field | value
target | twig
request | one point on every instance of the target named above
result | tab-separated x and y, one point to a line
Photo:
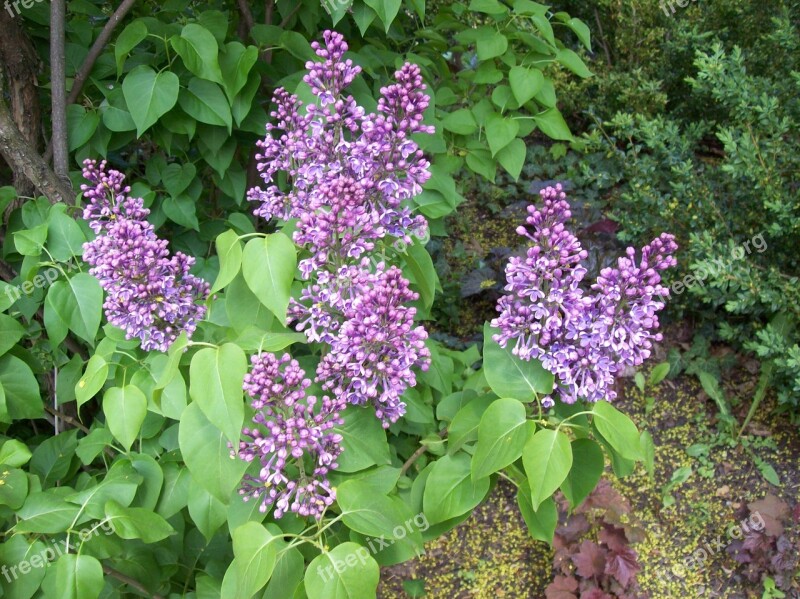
269	7
247	15
602	36
58	83
108	570
67	418
417	454
94	53
97	48
288	17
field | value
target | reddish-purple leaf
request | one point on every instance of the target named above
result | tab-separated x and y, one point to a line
623	566
613	537
577	526
590	561
562	587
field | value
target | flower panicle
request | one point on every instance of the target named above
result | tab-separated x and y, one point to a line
583	338
150	294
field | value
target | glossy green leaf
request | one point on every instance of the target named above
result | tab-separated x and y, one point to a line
509	376
206	102
215	384
236	63
78	577
502	434
13	487
206	511
386	10
461	122
254	550
648	452
588	464
363	440
10	332
78	303
490	43
368	512
14	453
450	490
81	125
20	388
199	51
512	157
125	409
46	513
268	265
500	131
229	251
553	124
659	373
421	266
137	523
205	450
348	571
464	426
29	242
547	458
573	62
525	83
541	522
126	41
619	430
149	95
93	379
65	238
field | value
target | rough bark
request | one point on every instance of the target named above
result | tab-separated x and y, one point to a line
24	159
21	64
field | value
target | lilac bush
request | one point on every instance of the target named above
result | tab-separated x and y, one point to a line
149	294
583	338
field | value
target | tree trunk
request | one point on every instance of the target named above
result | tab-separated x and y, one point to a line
25	160
18	59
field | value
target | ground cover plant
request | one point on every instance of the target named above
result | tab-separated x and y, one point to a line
233	362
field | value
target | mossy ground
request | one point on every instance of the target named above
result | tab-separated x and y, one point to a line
491	554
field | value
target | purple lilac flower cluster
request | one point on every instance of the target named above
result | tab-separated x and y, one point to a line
350	177
299	448
583	338
149	294
376	344
350	172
